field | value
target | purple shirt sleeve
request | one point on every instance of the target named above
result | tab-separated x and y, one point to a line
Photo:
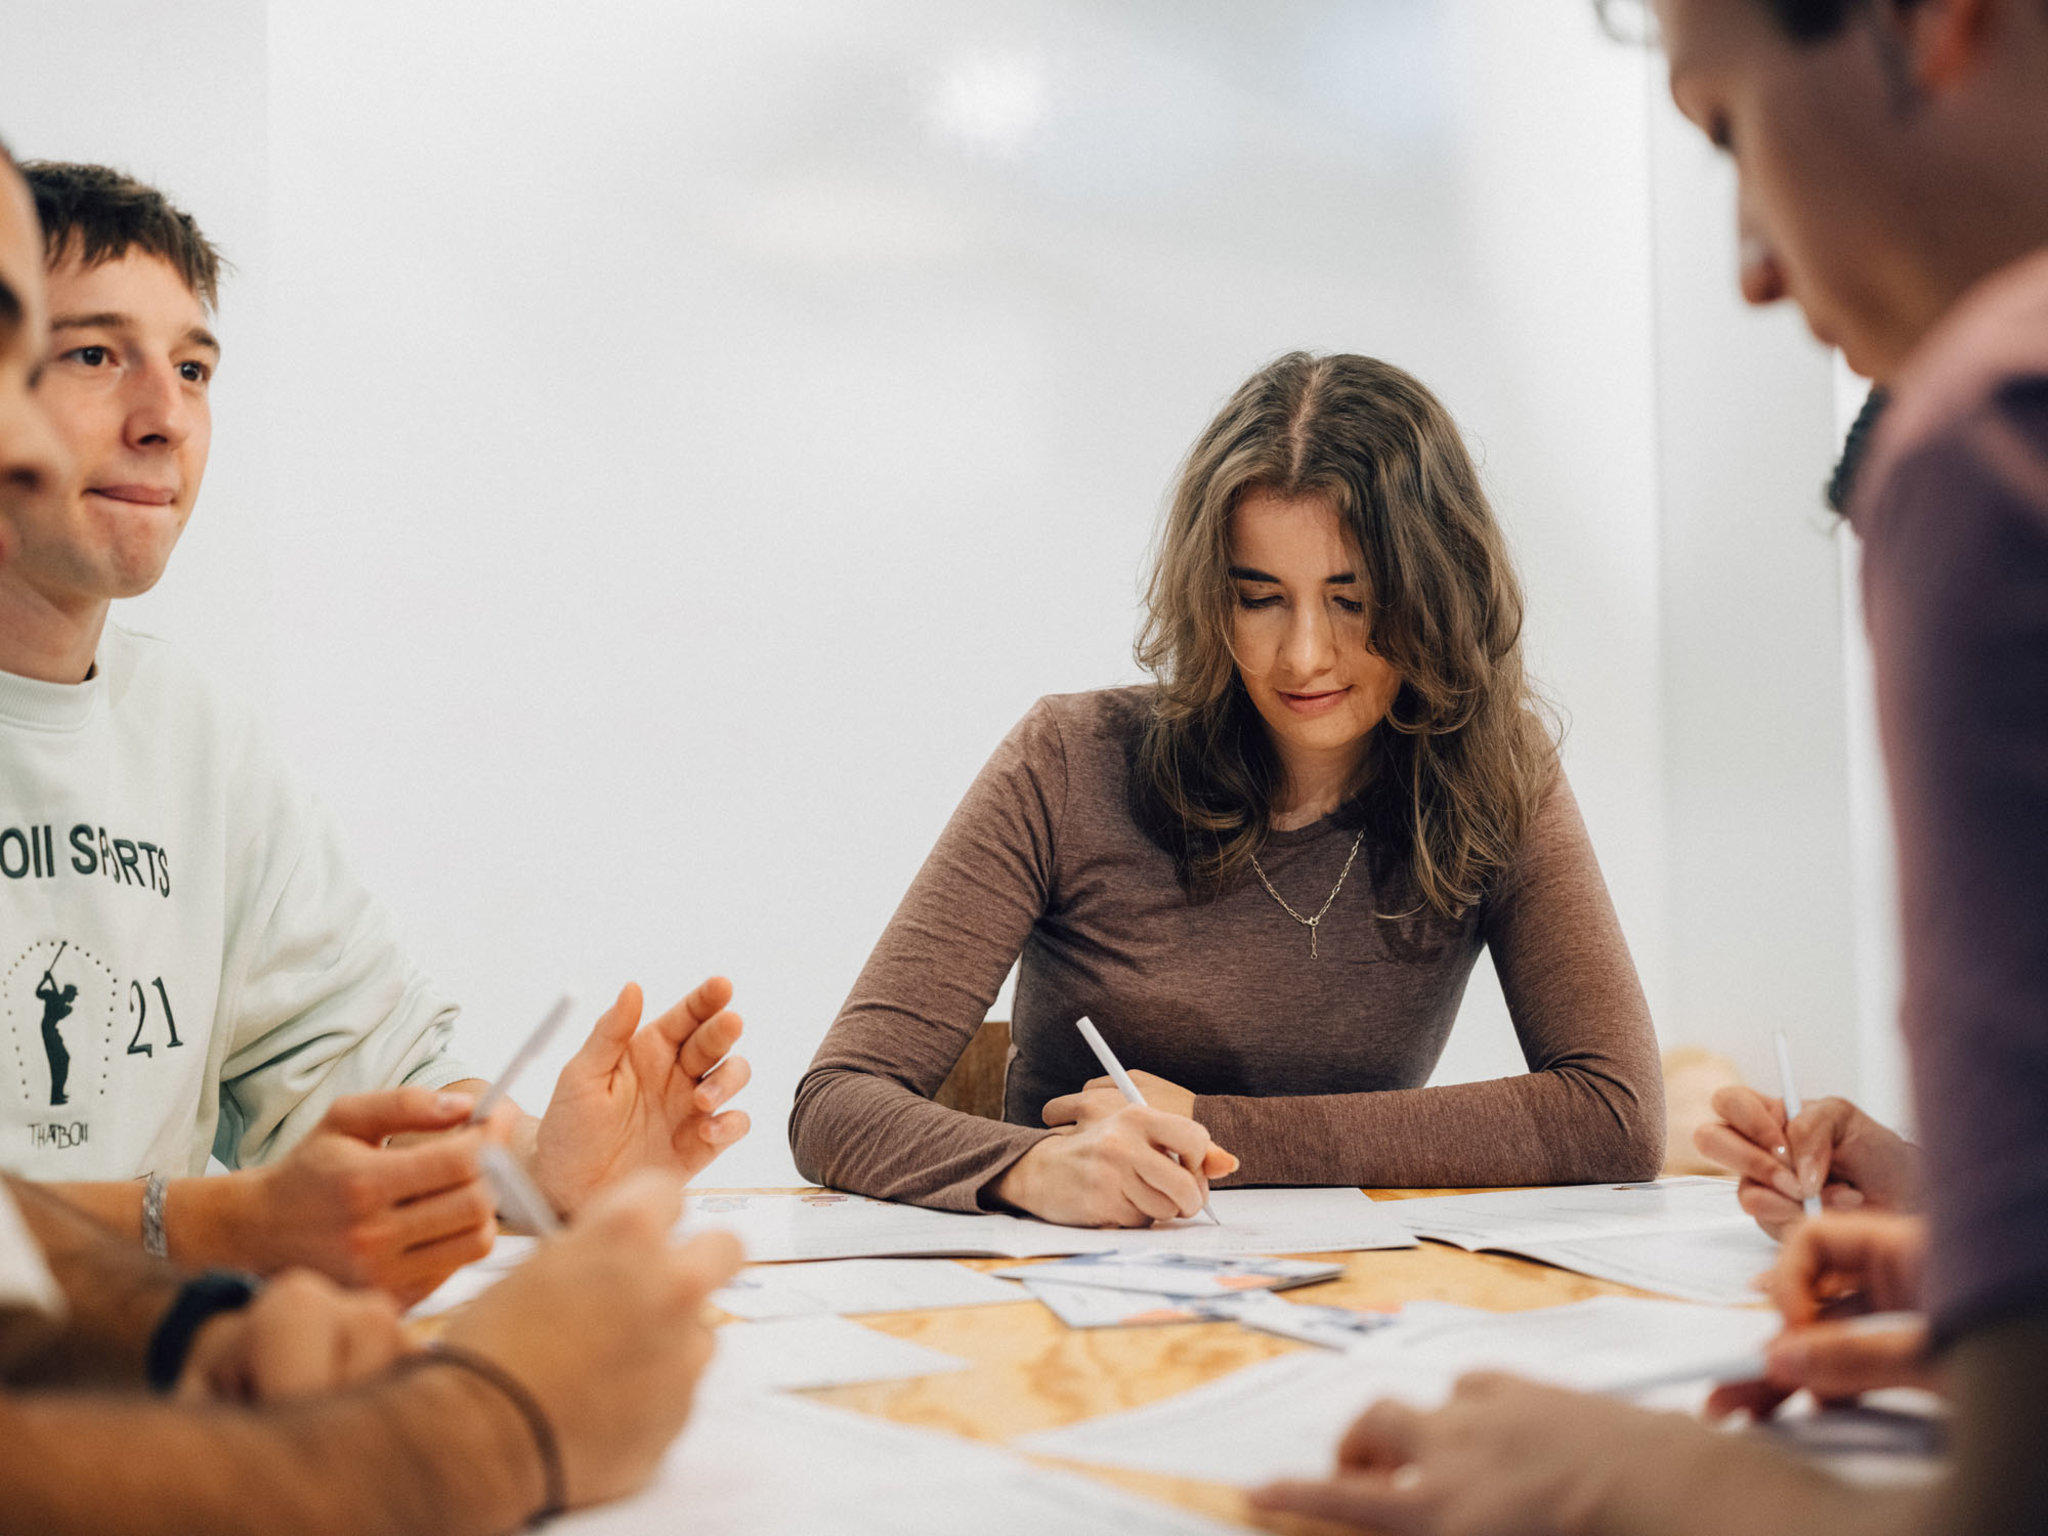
1956	593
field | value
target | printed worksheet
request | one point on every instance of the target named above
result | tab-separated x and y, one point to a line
778	1466
1684	1237
826	1224
1284	1417
790	1354
851	1287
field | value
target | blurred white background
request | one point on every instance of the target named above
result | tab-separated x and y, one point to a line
664	445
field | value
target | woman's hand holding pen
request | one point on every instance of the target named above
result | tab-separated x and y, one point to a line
1123	1166
1832	1149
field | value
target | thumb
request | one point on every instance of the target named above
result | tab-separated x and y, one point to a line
1217	1163
709	1260
371	1117
640	1207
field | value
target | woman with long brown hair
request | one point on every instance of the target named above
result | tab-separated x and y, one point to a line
1267	875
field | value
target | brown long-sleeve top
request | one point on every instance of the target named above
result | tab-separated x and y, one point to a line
1309	1070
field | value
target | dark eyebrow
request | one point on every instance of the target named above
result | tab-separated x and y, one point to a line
114	320
1246	573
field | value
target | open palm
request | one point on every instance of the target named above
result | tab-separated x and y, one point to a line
637	1097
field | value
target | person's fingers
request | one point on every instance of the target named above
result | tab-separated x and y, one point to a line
371	1338
1841	1359
1758	1399
1723	1144
371	1117
1174	1133
1771	1210
1100	1084
721	1131
446	1213
701	1045
610	1036
721	1083
1811	1138
1218	1164
1064	1110
1141	1186
1756	1116
1370	1500
397	1174
707	1261
1182	1191
640	1207
1842	1197
709	998
1384	1436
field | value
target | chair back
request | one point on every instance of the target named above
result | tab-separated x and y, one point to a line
975	1085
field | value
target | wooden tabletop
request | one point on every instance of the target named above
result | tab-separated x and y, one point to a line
1031	1371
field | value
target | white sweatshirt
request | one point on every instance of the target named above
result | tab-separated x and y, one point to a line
186	962
25	1281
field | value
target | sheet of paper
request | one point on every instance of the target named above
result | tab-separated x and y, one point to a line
1179	1274
1095	1306
851	1287
1284	1417
1713	1264
783	1467
1563	1213
825	1224
1684	1237
791	1353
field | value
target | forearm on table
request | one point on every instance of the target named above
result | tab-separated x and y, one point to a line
1566	1125
116	1295
431	1451
215	1222
862	1132
1690	1481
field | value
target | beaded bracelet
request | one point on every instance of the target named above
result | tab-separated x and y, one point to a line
554	1498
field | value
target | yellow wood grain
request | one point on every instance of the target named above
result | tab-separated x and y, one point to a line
1031	1372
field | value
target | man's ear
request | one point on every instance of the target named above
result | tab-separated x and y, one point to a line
1944	39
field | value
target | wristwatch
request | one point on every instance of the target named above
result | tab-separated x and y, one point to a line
205	1296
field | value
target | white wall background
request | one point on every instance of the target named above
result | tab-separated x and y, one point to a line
663	446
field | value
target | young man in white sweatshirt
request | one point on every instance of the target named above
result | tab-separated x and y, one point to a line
187	965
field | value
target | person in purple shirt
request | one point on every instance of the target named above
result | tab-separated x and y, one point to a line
1892	157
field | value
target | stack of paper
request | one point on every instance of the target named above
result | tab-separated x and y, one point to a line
1683	1237
1177	1274
767	1466
823	1224
1285	1417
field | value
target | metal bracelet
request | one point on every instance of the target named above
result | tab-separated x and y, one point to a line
154	1241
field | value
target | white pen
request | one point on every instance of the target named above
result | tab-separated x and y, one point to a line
1789	1091
1121	1078
517	1195
522	1058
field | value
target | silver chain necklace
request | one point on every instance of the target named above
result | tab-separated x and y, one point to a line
1311	923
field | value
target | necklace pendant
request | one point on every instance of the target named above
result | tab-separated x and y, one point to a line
1312	939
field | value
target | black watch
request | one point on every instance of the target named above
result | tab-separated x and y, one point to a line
203	1297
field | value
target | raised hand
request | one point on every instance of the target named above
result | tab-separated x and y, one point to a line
301	1335
605	1327
1128	1167
400	1219
1832	1149
637	1097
